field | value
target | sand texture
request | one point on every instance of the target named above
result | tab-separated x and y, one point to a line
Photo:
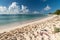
38	30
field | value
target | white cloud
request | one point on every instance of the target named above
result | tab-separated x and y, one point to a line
3	9
47	8
36	12
13	9
24	9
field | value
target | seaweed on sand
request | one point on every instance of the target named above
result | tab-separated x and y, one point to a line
56	30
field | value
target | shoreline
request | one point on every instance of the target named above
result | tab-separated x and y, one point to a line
26	23
23	22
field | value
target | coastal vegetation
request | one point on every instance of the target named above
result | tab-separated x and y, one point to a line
57	12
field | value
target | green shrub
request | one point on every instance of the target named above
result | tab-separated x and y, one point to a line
57	12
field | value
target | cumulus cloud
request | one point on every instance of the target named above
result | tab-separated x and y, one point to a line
47	8
24	9
3	9
13	9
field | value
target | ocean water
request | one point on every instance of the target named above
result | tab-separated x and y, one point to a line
11	18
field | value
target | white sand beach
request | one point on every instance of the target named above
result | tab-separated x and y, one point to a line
31	30
12	26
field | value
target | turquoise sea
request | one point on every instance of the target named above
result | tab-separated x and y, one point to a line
11	18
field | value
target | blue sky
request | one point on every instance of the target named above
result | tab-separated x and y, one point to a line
28	6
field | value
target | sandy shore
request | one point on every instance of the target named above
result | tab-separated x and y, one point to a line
33	31
19	25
